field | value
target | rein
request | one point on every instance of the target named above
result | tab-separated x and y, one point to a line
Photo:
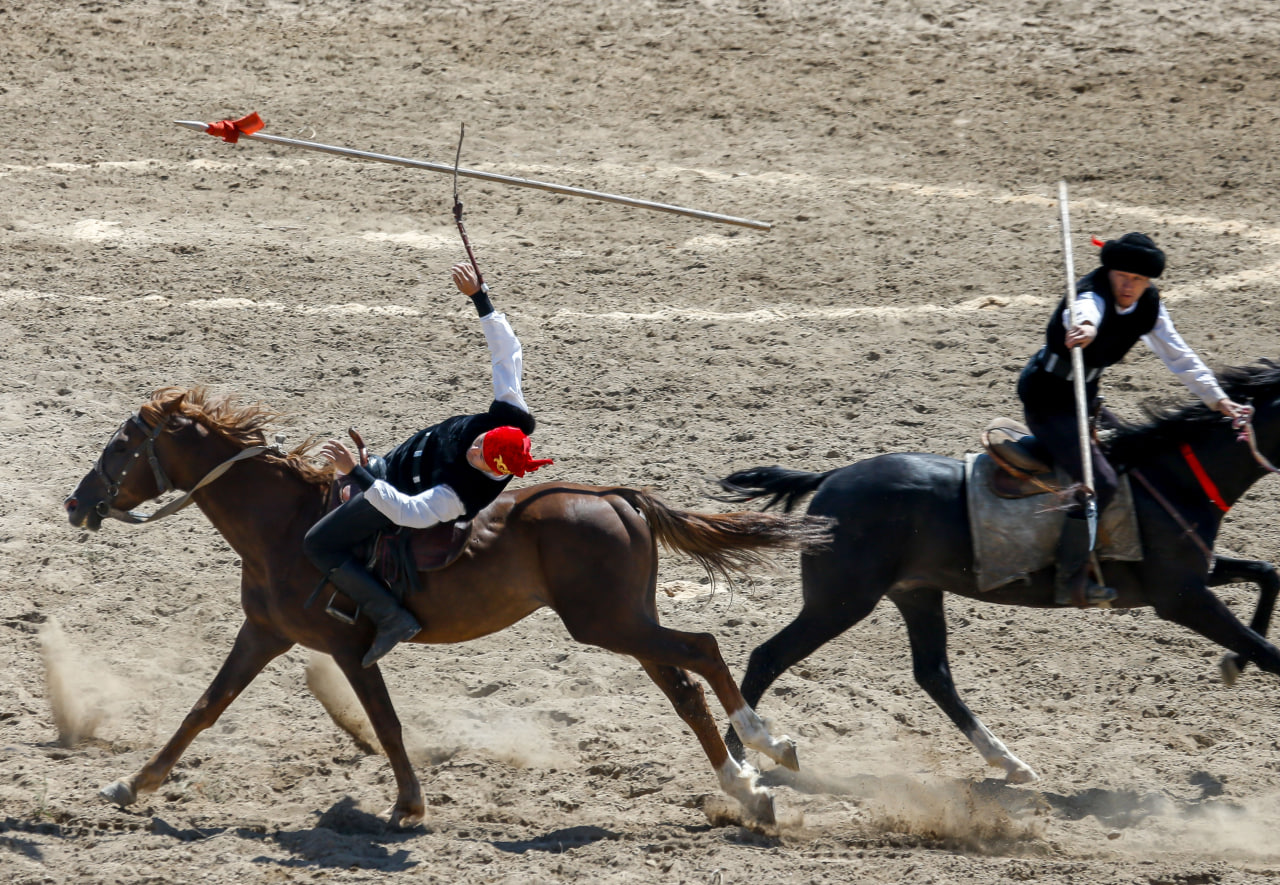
106	509
1247	435
1207	485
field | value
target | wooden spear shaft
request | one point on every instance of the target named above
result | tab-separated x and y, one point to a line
1077	364
491	176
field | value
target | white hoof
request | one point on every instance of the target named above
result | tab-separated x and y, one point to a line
1229	669
760	807
739	782
402	820
1020	774
120	793
754	734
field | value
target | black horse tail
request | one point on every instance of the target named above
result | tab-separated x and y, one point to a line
783	486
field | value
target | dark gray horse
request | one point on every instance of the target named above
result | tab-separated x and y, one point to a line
902	531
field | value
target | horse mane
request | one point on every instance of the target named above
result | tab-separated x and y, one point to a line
1168	426
244	424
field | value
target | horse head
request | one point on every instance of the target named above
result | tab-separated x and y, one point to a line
131	468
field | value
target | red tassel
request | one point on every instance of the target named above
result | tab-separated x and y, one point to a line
1097	242
231	130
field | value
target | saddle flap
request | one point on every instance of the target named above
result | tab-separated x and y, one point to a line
437	547
1009	485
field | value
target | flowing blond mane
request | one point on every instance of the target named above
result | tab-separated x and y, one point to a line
244	424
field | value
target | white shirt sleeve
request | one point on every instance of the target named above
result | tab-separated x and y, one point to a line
437	504
1182	361
1089	306
507	358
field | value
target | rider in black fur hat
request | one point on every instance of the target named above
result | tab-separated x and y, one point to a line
1117	305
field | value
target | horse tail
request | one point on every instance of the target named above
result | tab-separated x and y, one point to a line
783	486
727	543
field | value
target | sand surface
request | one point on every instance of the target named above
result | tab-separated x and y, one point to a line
907	152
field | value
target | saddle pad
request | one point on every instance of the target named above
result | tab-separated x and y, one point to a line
1013	537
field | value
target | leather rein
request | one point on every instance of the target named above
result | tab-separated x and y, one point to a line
107	509
1207	485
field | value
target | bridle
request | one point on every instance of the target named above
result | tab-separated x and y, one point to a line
107	509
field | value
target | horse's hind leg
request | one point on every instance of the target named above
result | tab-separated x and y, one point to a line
254	648
739	781
927	628
1227	570
371	690
642	637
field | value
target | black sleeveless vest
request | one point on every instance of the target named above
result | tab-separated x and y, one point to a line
1116	333
438	456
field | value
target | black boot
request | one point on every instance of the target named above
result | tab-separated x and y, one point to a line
394	623
1073	584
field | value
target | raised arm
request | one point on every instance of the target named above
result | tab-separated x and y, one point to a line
505	352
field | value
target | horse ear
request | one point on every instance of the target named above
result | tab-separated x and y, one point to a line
178	421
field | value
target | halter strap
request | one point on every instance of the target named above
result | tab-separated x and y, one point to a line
1202	476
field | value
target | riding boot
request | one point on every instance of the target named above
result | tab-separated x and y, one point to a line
395	624
1073	585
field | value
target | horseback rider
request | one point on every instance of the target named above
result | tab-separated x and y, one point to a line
1116	305
448	471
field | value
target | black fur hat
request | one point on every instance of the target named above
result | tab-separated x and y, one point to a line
1133	253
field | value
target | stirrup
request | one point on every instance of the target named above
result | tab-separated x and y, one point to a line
338	614
1095	596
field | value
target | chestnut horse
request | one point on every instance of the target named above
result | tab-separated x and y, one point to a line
589	553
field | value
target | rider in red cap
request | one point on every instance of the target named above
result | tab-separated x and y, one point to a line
451	470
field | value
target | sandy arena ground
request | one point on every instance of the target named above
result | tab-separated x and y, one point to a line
907	152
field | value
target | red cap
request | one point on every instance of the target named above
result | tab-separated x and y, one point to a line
506	450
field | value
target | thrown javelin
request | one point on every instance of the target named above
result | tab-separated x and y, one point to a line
250	125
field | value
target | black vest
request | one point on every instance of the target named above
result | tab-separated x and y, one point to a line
1116	333
1043	392
438	456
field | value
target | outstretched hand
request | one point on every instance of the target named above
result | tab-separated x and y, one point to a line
1237	412
339	456
464	277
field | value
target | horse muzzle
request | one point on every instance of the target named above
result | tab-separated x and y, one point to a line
82	514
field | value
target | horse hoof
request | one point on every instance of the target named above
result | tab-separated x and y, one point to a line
1021	775
761	809
788	758
403	820
1229	667
120	793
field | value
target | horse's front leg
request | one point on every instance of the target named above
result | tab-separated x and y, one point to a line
1195	607
254	648
1227	570
371	690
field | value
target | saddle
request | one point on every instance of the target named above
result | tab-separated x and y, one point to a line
396	556
1015	531
1024	463
400	553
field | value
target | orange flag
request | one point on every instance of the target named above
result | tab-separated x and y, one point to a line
231	130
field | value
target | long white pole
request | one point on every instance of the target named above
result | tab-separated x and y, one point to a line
1077	355
490	176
